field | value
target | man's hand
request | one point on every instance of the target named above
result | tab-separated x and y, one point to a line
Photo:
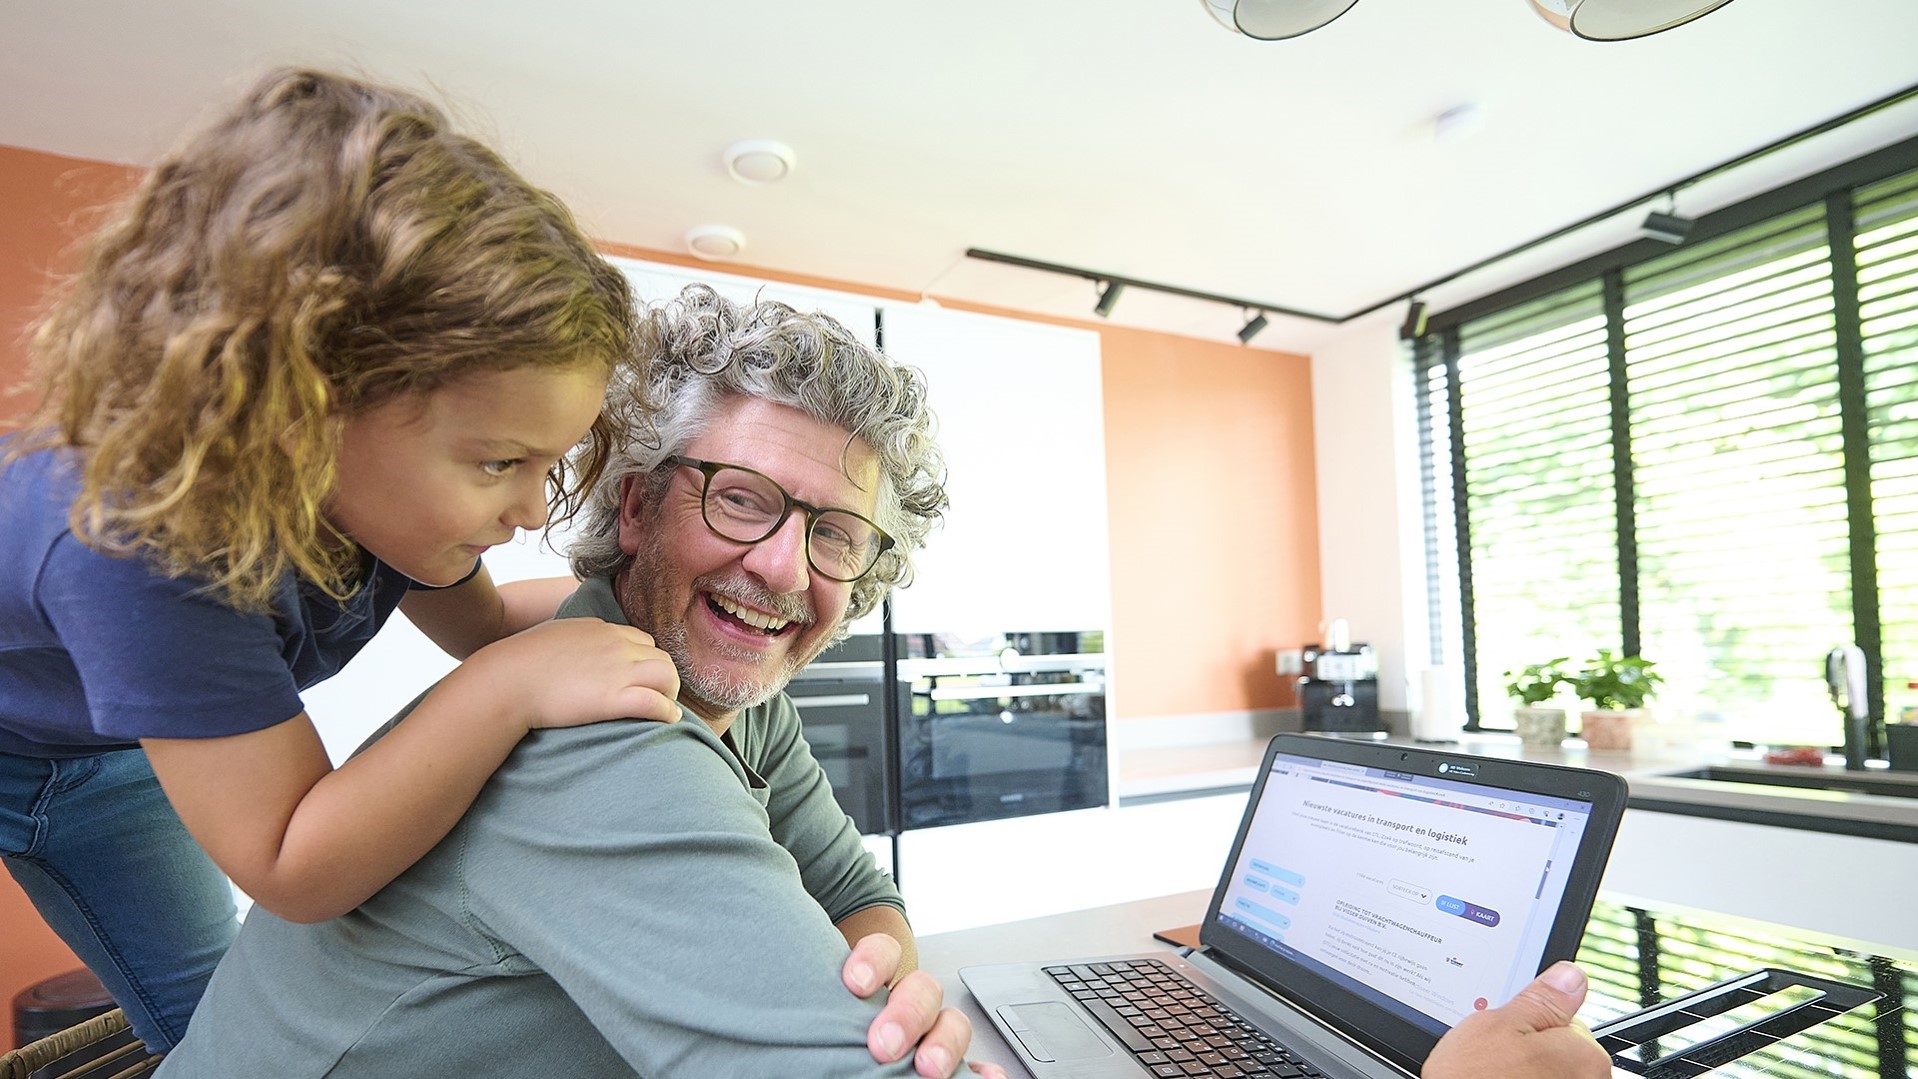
1533	1037
912	1015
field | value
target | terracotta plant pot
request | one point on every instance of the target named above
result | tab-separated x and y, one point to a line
1608	728
1543	727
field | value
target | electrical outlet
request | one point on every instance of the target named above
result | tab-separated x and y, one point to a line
1291	662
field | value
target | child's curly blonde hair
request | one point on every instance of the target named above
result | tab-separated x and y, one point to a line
324	246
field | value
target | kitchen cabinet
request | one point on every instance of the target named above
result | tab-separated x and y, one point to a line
1006	621
1844	885
1021	419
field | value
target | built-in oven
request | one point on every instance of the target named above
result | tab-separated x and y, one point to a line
841	698
1001	725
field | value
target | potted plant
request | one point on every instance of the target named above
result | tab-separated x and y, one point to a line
1532	687
1617	687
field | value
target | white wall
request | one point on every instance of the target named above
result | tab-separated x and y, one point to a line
1371	543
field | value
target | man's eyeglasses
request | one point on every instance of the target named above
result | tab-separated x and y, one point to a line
746	506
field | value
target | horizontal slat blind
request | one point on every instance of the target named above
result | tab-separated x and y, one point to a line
1742	535
1435	480
1536	392
1887	249
1744	568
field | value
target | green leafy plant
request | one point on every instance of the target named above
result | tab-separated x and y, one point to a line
1615	682
1537	683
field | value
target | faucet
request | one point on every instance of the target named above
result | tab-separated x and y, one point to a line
1845	678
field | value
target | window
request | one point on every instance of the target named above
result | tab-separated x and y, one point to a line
1887	253
1744	571
1707	455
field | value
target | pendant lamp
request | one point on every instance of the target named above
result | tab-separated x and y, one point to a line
1593	20
1621	20
1276	20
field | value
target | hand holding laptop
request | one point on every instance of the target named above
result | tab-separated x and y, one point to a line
1532	1036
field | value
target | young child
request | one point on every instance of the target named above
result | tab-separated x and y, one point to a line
328	353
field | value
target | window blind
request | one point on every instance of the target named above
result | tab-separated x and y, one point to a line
1707	454
1535	429
1433	411
1744	569
1886	247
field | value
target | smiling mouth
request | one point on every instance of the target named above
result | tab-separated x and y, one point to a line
746	618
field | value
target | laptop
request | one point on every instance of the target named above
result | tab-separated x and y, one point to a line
1375	895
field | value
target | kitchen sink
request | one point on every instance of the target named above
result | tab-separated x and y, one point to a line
1890	784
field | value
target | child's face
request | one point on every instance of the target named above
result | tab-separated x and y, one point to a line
428	482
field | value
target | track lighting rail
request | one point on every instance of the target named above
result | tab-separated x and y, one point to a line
1111	281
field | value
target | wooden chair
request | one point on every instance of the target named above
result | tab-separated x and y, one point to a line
120	1055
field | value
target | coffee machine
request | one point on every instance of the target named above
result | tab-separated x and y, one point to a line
1339	691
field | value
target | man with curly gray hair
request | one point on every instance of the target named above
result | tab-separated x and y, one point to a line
715	365
652	898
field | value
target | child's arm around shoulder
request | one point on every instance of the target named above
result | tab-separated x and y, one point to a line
468	616
309	842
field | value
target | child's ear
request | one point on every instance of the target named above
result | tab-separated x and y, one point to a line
632	512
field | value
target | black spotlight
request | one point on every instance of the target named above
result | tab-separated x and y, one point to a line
1251	329
1669	227
1107	297
1413	327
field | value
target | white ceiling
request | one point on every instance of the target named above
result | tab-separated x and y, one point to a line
1134	137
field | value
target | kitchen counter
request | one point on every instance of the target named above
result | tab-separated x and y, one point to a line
1778	795
1160	771
1787	796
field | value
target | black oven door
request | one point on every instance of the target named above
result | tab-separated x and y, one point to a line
845	724
991	758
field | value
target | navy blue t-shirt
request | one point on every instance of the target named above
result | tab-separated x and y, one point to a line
97	652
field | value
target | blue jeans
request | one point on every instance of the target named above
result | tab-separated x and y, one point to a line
100	852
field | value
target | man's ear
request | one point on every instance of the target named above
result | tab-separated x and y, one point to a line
632	511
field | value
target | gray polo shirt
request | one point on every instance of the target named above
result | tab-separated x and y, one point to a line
623	898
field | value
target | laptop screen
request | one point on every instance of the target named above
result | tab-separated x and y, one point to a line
1425	885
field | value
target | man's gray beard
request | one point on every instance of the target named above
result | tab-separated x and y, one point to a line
707	684
710	685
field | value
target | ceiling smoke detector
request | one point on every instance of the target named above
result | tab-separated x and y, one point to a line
715	243
759	161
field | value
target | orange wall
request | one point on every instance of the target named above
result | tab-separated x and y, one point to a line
45	204
1213	503
43	200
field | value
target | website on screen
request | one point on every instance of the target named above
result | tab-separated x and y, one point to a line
1428	896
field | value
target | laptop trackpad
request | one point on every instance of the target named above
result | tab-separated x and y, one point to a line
1053	1033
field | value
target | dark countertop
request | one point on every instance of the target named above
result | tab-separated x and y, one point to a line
1790	796
1637	956
1780	795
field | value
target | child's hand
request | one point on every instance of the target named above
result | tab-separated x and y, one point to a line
581	670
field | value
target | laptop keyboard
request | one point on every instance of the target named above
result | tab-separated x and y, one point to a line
1173	1027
